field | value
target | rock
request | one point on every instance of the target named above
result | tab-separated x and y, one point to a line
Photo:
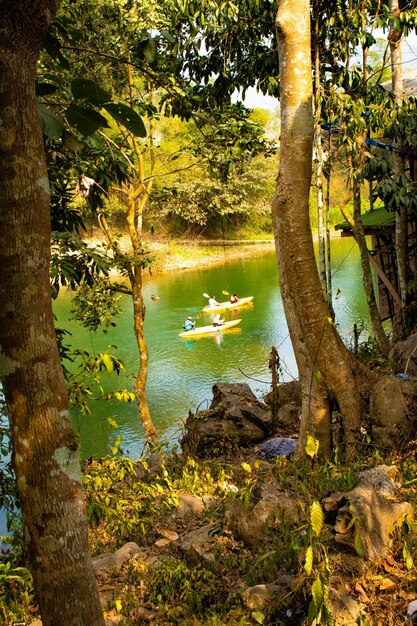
189	505
286	393
289	415
288	404
404	353
346	611
253	524
111	562
168	536
141	613
393	404
368	514
235	418
197	544
279	446
267	596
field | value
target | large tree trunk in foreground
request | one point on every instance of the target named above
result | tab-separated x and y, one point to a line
45	451
326	368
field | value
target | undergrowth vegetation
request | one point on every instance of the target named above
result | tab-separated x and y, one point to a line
138	502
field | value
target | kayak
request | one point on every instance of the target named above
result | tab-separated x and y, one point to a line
206	330
227	305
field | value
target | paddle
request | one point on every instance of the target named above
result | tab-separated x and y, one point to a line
206	295
226	293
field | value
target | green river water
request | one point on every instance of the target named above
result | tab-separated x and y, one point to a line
182	372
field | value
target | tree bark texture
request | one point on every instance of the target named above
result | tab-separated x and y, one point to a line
326	368
45	450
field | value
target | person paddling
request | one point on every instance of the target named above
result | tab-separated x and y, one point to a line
234	298
212	301
189	323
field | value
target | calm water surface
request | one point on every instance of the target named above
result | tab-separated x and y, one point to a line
182	372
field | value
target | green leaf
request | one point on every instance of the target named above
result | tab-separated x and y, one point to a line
408	559
85	120
53	46
107	362
45	89
316	517
259	617
147	49
167	36
311	613
359	545
127	117
317	593
52	125
308	565
312	446
89	90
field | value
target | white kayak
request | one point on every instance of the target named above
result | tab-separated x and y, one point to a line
207	330
227	305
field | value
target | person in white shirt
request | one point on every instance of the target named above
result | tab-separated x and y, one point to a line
213	302
217	321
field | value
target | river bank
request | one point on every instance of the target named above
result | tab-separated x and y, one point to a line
184	254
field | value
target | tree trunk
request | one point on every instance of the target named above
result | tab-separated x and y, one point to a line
325	365
142	375
134	222
319	155
137	199
359	236
45	449
401	218
327	220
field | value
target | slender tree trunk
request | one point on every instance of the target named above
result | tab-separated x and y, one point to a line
326	367
134	221
137	198
45	449
359	235
328	242
319	155
401	220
